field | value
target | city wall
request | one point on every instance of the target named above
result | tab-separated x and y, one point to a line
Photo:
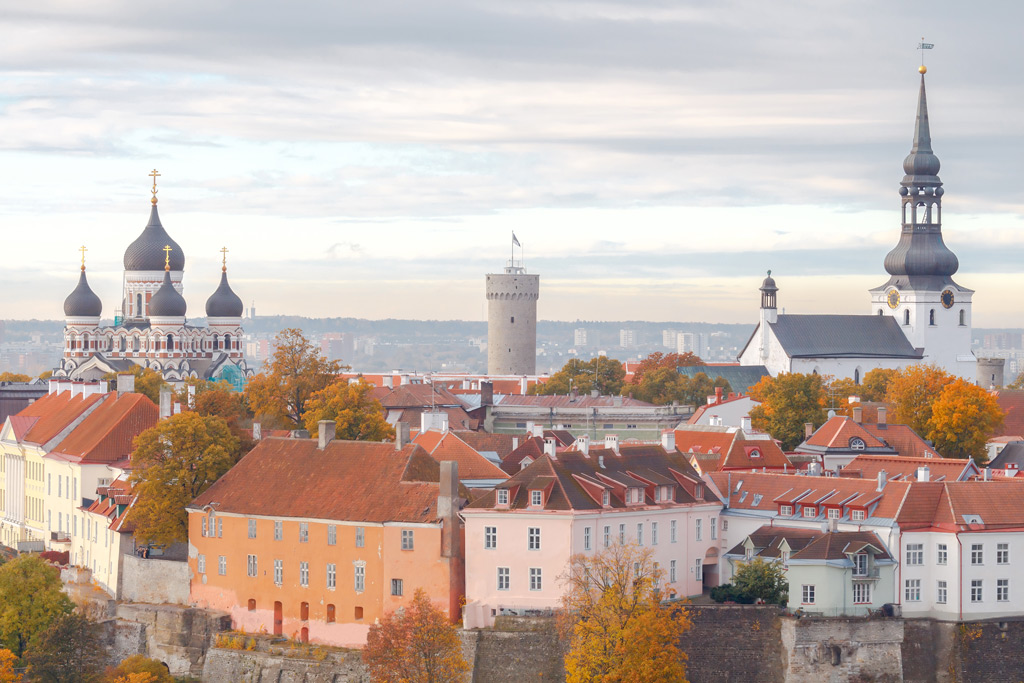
154	581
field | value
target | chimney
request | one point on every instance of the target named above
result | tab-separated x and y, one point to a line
538	430
600	461
465	384
718	395
448	508
858	414
486	393
95	387
389	381
923	473
436	420
716	421
808	429
190	394
881	415
165	402
549	448
594	393
64	385
257	431
882	479
523	386
988	474
583	444
401	435
515	442
53	386
617	401
328	431
125	383
76	388
668	440
611	441
404	378
745	424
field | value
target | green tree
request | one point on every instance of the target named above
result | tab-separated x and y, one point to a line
31	599
359	417
69	651
147	382
964	417
787	403
660	386
762	580
417	645
142	667
297	370
173	463
911	393
606	375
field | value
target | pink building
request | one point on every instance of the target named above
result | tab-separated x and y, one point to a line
521	536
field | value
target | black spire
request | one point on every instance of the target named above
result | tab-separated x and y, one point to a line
147	251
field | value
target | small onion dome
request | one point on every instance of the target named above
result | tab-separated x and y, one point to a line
83	302
224	303
769	284
147	252
166	302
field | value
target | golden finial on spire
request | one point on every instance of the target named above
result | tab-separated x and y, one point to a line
83	250
224	259
154	175
167	256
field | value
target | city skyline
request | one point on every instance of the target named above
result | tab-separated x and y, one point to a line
653	159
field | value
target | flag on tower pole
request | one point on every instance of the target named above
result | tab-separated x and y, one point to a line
925	46
514	240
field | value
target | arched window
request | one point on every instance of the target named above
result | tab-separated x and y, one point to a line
216	342
227	342
963	317
856	376
879	311
170	343
138	304
906	317
85	341
124	344
931	317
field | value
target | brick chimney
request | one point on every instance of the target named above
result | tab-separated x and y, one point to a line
808	430
448	508
858	414
328	431
668	440
881	415
401	435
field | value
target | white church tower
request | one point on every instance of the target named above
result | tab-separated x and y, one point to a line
933	311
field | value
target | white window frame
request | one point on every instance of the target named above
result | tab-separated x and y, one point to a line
857	515
912	590
533	538
536	579
536	499
640	533
915	554
654	533
252	566
941	592
332	534
201	564
252	528
1002	553
222	565
490	537
977	554
586	538
360	537
714	528
503	578
941	554
1002	590
304	574
332	576
786	510
278	530
864	589
607	535
501	497
359	577
303	532
408	540
977	590
698	529
807	594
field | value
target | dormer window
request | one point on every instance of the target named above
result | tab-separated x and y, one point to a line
606	498
857	515
834	513
698	491
810	511
755	453
748	554
785	557
857	444
785	510
501	496
860	564
536	499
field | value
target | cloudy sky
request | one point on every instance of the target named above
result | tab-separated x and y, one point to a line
371	159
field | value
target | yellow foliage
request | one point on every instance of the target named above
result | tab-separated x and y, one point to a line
7	661
964	417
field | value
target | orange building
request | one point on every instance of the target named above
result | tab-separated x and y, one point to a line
316	539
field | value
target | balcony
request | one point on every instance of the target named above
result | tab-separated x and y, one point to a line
865	575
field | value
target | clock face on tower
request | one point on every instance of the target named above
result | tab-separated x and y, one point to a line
893	298
947	299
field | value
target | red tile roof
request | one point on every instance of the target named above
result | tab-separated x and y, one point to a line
54	413
732	398
837	432
108	432
903	439
870	465
419	395
1012	403
736	450
472	465
532	448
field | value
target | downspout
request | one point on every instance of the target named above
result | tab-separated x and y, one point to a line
899	584
960	575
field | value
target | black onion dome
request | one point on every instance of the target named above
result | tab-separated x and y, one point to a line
147	252
166	302
224	303
83	302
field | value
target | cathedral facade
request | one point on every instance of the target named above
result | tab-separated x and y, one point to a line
151	328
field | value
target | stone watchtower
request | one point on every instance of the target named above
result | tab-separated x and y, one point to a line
512	321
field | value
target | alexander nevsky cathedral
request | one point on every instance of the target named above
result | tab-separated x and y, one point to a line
151	329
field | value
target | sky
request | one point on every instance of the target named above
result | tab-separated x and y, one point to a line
372	159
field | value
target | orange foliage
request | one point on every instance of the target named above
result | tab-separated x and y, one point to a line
911	393
7	661
664	360
964	417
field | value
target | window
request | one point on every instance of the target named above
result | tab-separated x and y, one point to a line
533	538
977	554
490	537
931	317
807	594
332	576
699	529
360	578
861	593
906	317
699	570
536	583
586	538
725	525
407	539
332	534
963	318
222	565
201	568
810	511
204	518
304	574
251	565
654	533
915	553
860	564
622	534
857	443
278	530
833	513
857	515
1002	590
220	527
940	592
640	533
672	531
503	578
606	498
278	572
976	590
396	587
303	532
657	581
607	536
502	496
1003	553
672	571
252	528
757	499
785	510
536	498
941	555
912	590
360	537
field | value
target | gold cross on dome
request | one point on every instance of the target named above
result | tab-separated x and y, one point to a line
224	258
154	175
167	256
83	250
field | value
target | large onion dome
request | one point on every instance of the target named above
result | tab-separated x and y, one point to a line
147	252
224	303
83	302
166	302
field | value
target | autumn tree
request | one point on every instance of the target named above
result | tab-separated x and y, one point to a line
875	384
606	375
31	599
7	672
613	620
1017	384
964	417
219	399
147	382
139	669
14	377
911	393
359	416
297	370
416	645
658	360
787	402
69	651
173	463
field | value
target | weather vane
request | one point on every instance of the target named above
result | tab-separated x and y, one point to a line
154	175
83	250
224	259
167	256
922	46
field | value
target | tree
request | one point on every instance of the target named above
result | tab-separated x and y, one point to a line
173	463
787	403
613	620
31	599
762	580
298	370
7	662
876	383
14	377
69	651
964	417
139	669
606	375
658	360
147	382
660	386
221	400
417	645
911	393
1017	384
359	417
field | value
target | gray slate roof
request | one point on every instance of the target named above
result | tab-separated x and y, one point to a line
740	377
1012	454
843	336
